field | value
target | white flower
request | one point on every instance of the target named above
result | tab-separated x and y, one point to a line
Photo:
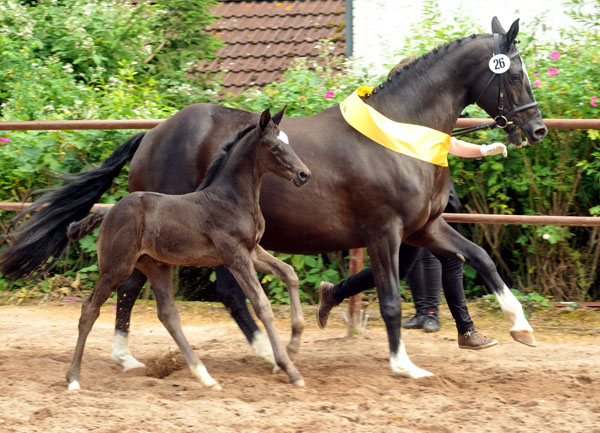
546	236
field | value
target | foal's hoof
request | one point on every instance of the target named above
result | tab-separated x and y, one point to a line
525	337
74	386
299	382
215	387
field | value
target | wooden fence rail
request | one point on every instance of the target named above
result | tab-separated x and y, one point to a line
151	123
537	220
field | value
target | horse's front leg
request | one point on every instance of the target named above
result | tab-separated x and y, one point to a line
243	270
127	293
265	262
384	254
439	238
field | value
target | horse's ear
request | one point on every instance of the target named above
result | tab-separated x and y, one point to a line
511	35
277	118
265	117
497	27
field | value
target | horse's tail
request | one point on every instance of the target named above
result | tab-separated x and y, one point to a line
42	239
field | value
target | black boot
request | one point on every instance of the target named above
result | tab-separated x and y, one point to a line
415	322
431	323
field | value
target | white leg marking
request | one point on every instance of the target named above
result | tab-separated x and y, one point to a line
261	346
121	354
200	372
513	311
74	386
404	367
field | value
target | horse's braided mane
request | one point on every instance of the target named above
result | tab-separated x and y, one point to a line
219	159
397	72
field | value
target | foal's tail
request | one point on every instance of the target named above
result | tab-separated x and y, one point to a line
42	239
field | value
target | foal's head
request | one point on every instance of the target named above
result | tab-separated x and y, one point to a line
276	154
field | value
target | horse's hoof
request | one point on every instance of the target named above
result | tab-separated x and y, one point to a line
524	337
413	373
299	382
74	386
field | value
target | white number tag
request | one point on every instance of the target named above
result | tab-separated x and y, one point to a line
499	63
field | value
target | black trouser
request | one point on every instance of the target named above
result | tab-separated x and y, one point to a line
426	276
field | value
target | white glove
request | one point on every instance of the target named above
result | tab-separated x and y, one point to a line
493	149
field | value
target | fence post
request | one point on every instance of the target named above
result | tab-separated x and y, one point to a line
355	302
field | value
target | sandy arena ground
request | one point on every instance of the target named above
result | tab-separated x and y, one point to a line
554	387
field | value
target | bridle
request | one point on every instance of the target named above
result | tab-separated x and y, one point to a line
501	120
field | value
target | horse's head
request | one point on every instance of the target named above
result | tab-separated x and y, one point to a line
506	95
278	156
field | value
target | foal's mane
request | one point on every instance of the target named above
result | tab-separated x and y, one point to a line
219	160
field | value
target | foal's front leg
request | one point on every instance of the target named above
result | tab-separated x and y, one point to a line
159	275
265	262
243	270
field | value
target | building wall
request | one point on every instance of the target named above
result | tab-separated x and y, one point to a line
380	26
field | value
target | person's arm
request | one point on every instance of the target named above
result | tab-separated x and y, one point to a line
469	150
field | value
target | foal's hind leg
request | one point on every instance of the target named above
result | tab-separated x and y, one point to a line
265	262
90	310
127	293
244	272
440	238
160	278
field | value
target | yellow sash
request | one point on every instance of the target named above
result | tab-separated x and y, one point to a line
417	141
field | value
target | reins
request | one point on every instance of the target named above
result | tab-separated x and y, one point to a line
501	120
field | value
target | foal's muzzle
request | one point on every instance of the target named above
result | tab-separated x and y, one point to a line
301	176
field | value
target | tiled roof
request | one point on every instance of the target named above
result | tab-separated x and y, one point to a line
262	38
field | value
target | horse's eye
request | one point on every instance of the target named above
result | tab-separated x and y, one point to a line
275	148
515	78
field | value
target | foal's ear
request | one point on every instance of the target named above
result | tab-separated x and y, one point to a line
265	117
277	118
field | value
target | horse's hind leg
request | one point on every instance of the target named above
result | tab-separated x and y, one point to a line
265	262
90	310
234	299
160	278
440	238
127	293
245	274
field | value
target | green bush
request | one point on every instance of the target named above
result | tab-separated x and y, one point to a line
50	73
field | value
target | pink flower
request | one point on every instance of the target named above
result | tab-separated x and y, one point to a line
594	101
330	95
5	140
553	71
555	55
537	83
537	74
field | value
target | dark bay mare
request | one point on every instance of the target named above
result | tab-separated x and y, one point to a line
219	224
361	194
